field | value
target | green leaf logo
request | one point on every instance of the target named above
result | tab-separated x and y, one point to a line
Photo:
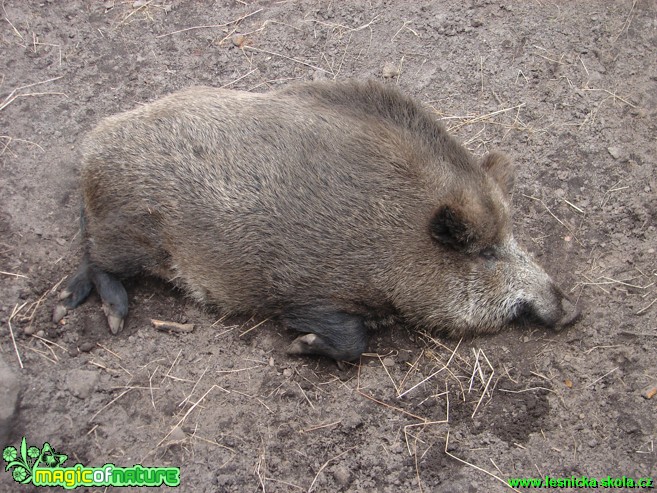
50	457
24	460
20	461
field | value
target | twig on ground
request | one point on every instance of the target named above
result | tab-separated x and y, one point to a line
211	26
14	312
475	467
312	485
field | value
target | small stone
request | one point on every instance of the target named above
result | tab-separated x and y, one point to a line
82	382
287	373
616	152
139	3
352	421
319	75
58	313
29	330
650	391
41	333
238	40
390	70
388	362
177	434
271	361
342	475
86	346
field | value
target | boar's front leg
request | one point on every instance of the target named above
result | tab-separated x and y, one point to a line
333	333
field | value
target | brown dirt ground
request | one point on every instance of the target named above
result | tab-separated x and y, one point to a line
566	88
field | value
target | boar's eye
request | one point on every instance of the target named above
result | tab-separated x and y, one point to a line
488	253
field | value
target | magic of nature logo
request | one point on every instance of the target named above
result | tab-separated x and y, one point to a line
45	467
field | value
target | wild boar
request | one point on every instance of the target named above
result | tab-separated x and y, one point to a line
327	205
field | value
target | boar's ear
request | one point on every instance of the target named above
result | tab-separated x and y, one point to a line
500	168
449	227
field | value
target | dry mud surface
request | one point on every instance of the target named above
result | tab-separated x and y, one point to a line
568	89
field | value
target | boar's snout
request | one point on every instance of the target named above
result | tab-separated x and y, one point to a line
571	312
555	312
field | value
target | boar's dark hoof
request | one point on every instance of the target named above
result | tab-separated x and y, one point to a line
114	297
111	292
78	288
338	335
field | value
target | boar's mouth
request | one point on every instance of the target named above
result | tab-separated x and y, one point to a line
561	314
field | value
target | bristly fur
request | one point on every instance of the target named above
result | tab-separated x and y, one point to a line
348	200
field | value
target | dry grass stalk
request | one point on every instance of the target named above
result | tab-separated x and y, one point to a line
109	404
189	411
14	94
433	374
254	327
211	26
474	466
14	312
312	485
603	376
12	274
186	399
319	427
477	369
42	354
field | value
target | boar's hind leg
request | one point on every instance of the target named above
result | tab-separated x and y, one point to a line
78	289
111	292
332	333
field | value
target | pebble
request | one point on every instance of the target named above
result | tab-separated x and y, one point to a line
82	382
616	152
177	434
238	40
319	75
388	362
287	372
342	475
58	313
390	70
87	346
